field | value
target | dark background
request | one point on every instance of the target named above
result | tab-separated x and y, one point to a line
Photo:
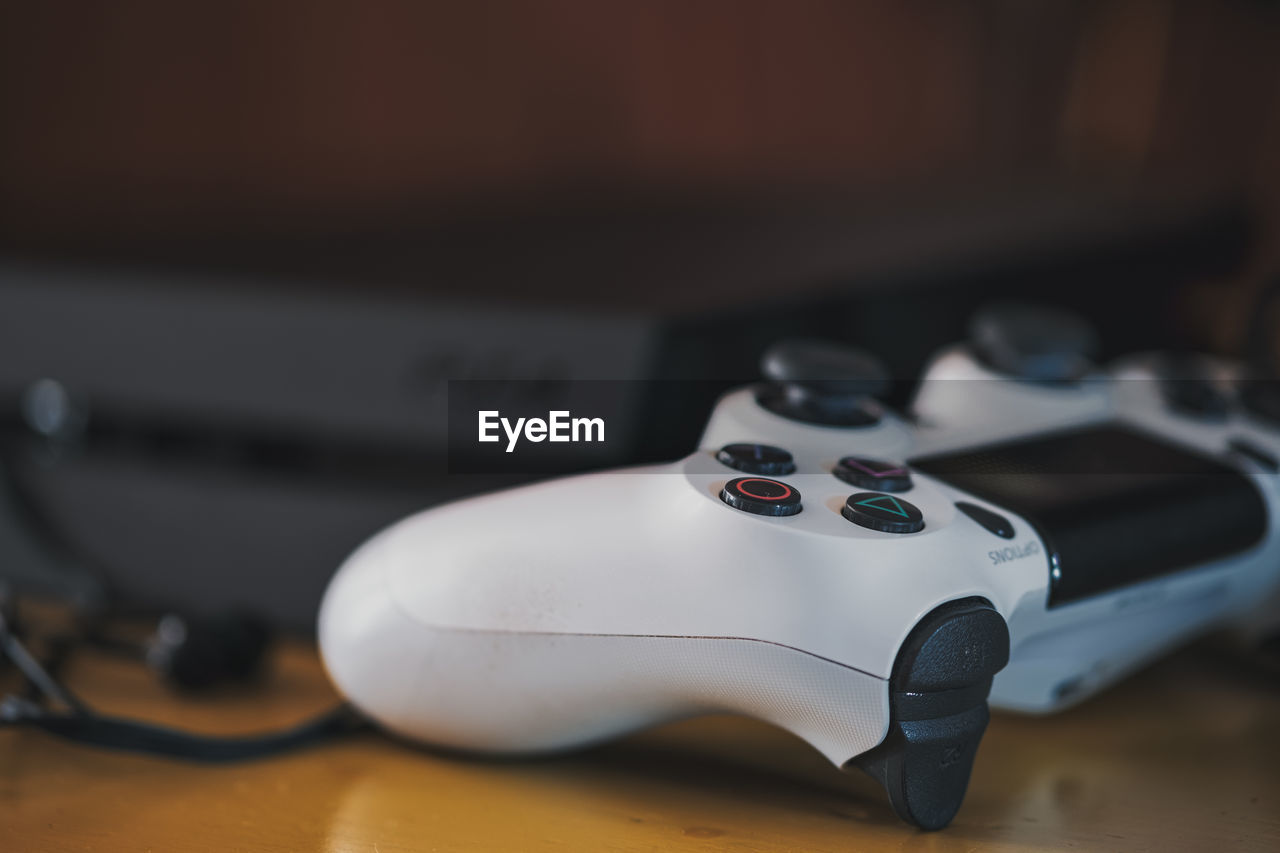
170	123
712	174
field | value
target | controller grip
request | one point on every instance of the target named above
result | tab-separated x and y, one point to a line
515	690
938	710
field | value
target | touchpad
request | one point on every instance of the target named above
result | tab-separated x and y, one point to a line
1116	505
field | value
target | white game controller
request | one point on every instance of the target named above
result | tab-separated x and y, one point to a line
863	581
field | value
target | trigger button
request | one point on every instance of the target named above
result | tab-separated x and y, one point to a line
938	710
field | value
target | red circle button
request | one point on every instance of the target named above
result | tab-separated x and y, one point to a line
761	496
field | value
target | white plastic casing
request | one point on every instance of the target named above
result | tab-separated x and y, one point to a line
562	613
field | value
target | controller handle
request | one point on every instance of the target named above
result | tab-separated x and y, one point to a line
823	383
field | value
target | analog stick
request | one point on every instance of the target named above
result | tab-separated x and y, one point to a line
1033	342
823	383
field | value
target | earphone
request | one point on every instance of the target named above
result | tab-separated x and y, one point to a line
53	707
186	652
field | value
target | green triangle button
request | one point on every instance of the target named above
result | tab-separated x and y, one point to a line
879	502
883	513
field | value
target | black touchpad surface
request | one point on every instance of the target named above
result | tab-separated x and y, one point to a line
1115	504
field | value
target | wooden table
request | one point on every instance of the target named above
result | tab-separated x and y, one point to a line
1185	756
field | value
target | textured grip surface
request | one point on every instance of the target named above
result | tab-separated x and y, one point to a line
938	710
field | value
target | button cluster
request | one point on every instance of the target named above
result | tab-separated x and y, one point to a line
762	495
875	508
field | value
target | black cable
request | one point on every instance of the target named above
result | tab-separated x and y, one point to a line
41	681
127	735
77	720
82	724
62	559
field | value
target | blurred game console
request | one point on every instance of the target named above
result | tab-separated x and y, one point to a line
217	428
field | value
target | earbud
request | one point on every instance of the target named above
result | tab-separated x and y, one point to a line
194	654
53	411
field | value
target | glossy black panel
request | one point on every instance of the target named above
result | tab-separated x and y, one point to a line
1116	505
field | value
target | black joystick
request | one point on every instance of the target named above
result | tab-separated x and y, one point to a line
823	383
1033	342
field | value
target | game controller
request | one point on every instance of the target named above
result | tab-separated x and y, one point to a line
868	581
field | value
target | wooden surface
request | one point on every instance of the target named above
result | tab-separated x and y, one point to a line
1185	756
